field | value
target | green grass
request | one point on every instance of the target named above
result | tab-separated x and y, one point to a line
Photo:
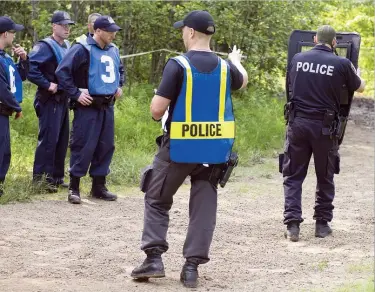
260	128
358	286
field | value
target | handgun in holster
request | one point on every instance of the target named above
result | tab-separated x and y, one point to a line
221	173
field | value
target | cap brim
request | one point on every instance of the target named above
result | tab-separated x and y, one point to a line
18	27
179	24
112	28
66	21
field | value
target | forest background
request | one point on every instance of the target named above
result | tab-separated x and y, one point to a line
260	28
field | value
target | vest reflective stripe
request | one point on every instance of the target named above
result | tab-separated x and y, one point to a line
189	88
57	50
202	130
202	127
223	90
13	77
81	39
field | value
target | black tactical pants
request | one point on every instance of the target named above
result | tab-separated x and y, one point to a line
166	178
304	138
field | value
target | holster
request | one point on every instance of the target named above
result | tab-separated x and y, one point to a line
145	178
330	123
6	110
289	112
221	172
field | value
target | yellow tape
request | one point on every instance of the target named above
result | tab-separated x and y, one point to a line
202	130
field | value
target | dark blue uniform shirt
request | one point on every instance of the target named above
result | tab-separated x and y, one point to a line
73	70
6	96
43	65
316	78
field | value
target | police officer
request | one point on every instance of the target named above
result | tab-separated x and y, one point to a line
90	26
11	77
316	78
92	75
199	134
51	104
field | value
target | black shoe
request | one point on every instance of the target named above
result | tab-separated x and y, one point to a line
152	267
292	231
100	191
74	196
322	229
189	275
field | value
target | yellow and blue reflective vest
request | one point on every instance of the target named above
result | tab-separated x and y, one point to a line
202	126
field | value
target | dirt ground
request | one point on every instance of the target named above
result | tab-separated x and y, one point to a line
50	245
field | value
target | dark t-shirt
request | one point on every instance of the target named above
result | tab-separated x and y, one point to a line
317	77
173	75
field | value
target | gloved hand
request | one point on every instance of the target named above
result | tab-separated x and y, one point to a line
235	55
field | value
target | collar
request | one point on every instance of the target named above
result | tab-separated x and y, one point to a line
63	45
322	48
91	41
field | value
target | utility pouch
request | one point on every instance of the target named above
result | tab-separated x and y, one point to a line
328	119
145	178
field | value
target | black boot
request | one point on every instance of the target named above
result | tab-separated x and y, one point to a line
74	196
152	267
99	189
189	274
322	229
292	231
1	187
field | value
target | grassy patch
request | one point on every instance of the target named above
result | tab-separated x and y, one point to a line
358	286
260	128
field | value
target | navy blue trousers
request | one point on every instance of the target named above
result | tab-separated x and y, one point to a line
92	141
53	139
4	146
303	139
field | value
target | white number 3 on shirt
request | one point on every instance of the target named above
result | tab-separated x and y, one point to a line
12	80
109	68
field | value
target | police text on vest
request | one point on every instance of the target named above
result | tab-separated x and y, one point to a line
315	68
200	130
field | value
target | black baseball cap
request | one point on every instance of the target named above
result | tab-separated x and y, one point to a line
7	24
199	20
106	23
61	17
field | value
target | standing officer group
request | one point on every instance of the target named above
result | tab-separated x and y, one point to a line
314	108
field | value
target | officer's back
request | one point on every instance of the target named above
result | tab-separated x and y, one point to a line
318	76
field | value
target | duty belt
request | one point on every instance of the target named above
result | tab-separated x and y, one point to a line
311	116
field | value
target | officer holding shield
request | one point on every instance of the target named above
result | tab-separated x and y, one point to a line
11	77
91	74
199	135
316	78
